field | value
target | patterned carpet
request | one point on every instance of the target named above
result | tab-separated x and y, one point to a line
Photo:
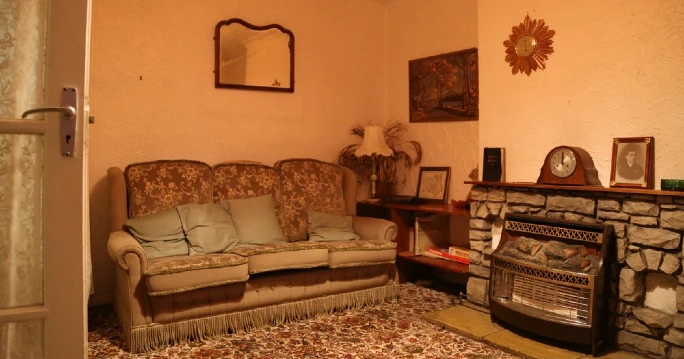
390	330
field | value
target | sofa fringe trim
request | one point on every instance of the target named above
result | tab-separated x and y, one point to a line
150	337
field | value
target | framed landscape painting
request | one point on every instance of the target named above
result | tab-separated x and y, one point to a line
444	87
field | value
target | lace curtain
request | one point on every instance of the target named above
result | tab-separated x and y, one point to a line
22	49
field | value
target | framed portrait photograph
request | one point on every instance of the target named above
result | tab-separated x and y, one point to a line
632	163
433	184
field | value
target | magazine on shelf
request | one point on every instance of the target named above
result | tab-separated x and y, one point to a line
459	251
443	253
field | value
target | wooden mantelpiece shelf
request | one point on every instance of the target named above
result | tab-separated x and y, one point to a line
600	189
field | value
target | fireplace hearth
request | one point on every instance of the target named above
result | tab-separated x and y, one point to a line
550	277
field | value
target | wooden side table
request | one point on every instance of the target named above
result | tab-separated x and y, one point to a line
404	216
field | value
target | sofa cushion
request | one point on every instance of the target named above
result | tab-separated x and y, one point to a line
160	234
204	228
209	228
361	253
273	257
255	219
179	274
159	185
245	179
330	227
308	185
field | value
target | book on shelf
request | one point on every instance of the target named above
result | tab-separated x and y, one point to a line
493	164
443	253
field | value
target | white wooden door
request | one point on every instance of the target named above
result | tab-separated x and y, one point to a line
43	210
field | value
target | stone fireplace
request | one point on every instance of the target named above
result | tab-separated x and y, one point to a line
648	228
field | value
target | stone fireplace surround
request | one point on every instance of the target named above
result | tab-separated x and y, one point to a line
648	227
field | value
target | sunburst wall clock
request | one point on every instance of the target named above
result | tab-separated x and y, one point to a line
528	46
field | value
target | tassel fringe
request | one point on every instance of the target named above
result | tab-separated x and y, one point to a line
150	337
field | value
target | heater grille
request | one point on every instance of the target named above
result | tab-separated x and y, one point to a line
542	299
554	231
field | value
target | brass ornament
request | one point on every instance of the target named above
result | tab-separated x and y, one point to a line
528	46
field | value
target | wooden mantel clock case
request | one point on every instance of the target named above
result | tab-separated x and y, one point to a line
571	166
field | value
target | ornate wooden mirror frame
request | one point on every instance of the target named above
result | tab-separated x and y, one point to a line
246	42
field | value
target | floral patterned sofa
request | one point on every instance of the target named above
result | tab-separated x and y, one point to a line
171	300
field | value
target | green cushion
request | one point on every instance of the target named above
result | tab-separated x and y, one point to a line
208	228
329	227
255	219
188	229
160	234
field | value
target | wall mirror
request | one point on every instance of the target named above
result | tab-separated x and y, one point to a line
253	57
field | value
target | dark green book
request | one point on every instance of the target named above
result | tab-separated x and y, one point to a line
493	165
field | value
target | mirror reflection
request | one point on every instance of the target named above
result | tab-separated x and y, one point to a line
254	57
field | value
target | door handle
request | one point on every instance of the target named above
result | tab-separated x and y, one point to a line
67	119
68	111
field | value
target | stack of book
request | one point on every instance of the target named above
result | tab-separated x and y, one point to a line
455	254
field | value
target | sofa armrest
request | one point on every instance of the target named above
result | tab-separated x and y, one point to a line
374	228
121	243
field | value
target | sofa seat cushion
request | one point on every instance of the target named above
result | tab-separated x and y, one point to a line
361	253
169	275
279	256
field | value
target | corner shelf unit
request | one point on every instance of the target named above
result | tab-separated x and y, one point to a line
403	215
435	262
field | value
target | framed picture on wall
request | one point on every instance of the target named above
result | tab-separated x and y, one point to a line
632	162
444	87
433	184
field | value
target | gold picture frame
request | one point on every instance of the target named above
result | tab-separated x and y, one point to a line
632	162
433	184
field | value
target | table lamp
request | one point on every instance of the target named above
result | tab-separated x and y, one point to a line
373	145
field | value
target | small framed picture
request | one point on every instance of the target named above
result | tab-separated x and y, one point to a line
632	164
433	184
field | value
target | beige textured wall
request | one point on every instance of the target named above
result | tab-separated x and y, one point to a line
153	95
616	72
420	28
